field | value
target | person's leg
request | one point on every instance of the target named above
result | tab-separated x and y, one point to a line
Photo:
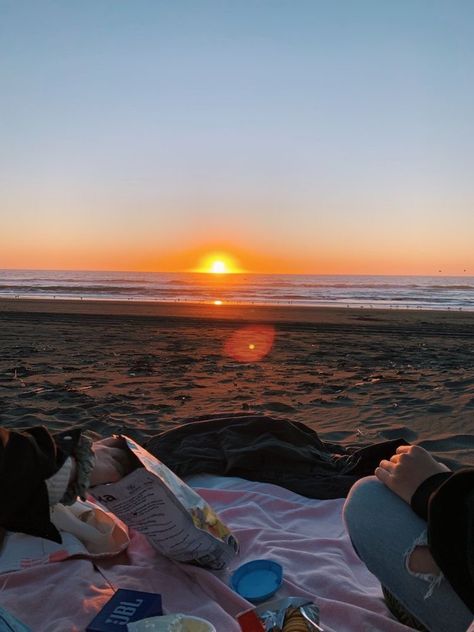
385	531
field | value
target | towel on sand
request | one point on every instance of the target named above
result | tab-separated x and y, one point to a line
305	535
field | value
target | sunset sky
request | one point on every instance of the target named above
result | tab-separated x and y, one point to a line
291	135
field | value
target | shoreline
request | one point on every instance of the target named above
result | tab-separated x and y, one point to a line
296	314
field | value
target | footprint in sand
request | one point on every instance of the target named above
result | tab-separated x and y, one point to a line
439	408
278	407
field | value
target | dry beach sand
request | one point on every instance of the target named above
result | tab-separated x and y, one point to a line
352	375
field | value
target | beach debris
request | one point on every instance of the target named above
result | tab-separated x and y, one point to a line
38	391
365	433
18	378
71	388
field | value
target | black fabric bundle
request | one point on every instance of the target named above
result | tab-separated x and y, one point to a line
27	458
270	450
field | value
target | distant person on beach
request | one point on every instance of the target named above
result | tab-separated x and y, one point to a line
413	526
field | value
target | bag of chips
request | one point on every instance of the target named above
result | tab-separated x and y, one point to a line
178	522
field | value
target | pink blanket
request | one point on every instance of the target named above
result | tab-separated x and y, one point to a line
306	536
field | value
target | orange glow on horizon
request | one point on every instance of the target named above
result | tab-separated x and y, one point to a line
253	259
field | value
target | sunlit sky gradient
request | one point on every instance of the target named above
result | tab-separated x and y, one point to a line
296	136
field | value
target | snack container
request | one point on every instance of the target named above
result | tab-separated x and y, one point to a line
172	623
291	614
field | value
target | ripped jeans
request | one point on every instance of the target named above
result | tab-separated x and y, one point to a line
384	531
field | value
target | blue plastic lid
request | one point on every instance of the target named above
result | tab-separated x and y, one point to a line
257	580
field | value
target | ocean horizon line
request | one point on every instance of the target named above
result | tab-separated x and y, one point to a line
242	273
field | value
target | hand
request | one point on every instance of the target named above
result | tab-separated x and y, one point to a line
112	461
407	469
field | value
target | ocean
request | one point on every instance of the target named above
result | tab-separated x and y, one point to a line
397	292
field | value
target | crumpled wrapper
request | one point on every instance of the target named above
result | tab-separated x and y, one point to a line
300	614
171	623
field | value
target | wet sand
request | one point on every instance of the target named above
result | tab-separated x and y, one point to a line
353	375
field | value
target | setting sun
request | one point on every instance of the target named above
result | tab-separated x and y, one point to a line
218	263
218	267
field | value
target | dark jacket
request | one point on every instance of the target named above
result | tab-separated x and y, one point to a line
269	450
27	459
446	501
